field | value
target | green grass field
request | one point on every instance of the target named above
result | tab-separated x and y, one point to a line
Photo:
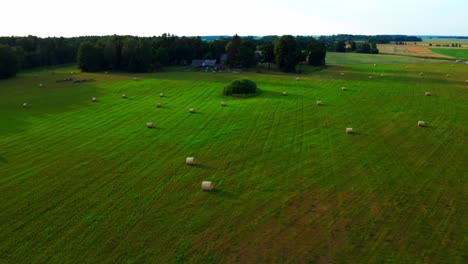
461	54
85	182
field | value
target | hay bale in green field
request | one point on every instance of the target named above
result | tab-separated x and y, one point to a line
284	93
223	104
124	96
349	130
190	161
421	124
25	105
158	105
207	186
161	95
318	103
94	99
150	125
343	88
427	94
192	110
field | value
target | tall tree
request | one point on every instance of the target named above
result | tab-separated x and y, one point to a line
129	55
89	57
268	53
340	46
286	53
9	62
246	57
143	56
232	50
317	51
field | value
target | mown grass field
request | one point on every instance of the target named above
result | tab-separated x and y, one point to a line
461	54
84	182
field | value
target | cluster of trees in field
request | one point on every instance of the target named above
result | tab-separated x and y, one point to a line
285	51
352	46
453	45
243	86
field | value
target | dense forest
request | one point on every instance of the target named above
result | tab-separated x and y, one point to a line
144	54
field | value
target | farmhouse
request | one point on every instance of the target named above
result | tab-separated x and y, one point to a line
203	63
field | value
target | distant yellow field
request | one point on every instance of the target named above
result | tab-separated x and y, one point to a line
463	42
410	50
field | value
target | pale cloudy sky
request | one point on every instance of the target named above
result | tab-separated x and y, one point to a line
220	17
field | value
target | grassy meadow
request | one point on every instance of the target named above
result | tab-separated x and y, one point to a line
461	54
84	182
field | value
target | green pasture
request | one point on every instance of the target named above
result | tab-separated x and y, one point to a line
461	54
84	182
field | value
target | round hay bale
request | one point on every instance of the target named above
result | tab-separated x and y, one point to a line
35	75
124	96
298	79
223	104
106	72
343	88
448	75
285	93
375	64
371	77
466	81
158	105
319	103
192	110
421	73
421	124
427	94
40	85
349	130
135	78
94	99
25	105
207	186
342	73
150	125
161	95
381	75
190	161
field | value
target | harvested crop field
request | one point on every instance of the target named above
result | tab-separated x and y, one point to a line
410	50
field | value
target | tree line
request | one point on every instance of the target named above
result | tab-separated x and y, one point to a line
139	54
143	54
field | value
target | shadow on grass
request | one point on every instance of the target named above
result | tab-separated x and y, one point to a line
224	194
202	166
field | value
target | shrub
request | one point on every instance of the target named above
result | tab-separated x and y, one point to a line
241	87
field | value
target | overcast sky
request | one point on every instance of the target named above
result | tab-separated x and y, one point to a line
220	17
